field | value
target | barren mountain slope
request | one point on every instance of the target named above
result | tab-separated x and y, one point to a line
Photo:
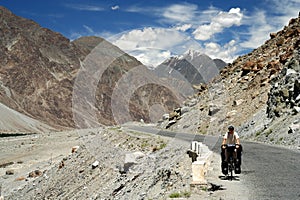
43	74
12	121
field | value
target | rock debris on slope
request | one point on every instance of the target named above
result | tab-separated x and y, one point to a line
98	170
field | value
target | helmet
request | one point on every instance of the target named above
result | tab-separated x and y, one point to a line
230	127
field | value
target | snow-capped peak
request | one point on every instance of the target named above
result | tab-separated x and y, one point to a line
190	53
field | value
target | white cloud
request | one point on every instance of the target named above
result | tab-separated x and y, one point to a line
184	13
116	7
258	31
183	27
219	23
84	7
151	57
180	12
290	8
205	32
227	52
153	45
233	17
285	11
149	37
263	22
136	9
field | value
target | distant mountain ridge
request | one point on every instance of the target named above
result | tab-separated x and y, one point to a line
193	66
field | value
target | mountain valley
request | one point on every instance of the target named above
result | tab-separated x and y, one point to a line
67	108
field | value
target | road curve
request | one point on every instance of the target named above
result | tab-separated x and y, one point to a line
269	171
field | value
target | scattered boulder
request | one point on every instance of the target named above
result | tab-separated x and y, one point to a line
290	71
170	123
131	159
184	109
173	115
74	149
95	164
200	88
272	35
296	110
238	102
61	164
191	103
231	114
213	109
35	173
10	172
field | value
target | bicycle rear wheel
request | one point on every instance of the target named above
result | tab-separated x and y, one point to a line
231	167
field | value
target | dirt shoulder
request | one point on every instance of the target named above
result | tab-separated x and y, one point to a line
21	155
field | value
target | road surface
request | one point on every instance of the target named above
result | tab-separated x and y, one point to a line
269	171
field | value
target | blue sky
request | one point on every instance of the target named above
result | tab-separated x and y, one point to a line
152	30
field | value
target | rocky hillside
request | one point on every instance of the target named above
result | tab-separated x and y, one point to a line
39	72
258	93
37	68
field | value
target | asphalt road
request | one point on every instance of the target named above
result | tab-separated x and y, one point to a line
269	172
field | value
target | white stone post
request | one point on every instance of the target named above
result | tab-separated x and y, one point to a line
198	170
194	146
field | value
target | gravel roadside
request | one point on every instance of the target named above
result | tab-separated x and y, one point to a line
160	173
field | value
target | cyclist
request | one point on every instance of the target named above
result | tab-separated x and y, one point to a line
231	137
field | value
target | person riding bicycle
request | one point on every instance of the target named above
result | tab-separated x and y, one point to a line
231	138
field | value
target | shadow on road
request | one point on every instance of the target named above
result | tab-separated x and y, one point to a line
230	178
215	187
